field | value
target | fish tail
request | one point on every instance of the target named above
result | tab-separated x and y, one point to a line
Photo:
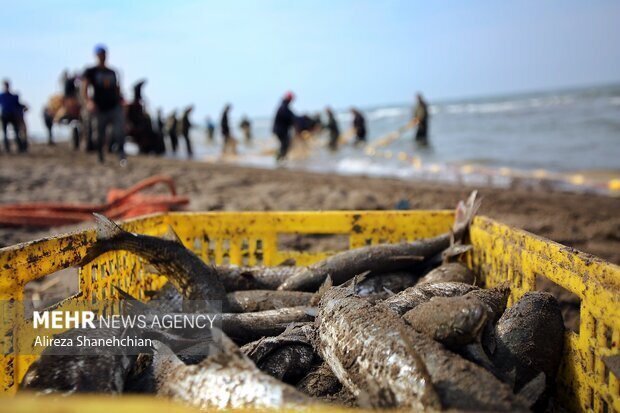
533	390
464	215
107	232
106	228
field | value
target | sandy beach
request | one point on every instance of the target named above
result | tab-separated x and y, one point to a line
586	222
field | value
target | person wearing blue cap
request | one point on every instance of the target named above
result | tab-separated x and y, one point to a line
101	92
12	114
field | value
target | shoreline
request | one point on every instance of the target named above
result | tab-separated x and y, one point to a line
587	222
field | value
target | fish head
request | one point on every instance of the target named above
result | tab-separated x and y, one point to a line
470	321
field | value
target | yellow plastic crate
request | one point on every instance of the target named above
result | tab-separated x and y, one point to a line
500	253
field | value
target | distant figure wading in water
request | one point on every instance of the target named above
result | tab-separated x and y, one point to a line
420	119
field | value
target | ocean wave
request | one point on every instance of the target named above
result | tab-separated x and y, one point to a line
506	106
387	113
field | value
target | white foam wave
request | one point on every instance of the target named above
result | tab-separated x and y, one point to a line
507	106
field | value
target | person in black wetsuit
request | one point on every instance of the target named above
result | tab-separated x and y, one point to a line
12	114
246	127
210	129
359	125
229	146
420	118
333	129
173	131
282	124
186	125
160	125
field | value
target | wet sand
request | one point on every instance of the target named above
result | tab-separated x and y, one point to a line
587	222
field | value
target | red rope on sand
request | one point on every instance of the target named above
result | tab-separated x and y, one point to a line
120	204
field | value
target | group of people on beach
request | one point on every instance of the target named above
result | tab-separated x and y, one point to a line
92	104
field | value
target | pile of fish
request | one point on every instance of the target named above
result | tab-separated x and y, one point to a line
386	326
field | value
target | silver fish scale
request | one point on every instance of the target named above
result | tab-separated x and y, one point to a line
369	354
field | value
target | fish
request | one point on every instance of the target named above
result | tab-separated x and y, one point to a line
495	298
413	296
452	321
246	327
226	379
192	277
261	300
460	320
320	382
255	277
171	301
462	384
288	357
381	286
530	340
381	258
370	353
80	369
449	272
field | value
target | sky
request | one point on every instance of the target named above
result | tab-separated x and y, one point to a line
329	52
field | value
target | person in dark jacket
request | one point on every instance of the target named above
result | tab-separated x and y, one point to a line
185	127
246	127
173	126
12	114
333	129
420	119
224	125
230	144
359	125
284	120
105	104
210	129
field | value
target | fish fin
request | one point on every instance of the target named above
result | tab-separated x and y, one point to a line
455	250
464	215
106	228
150	268
531	392
358	279
289	262
327	284
475	353
171	235
132	302
390	292
613	364
166	360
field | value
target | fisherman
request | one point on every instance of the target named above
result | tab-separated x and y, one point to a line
333	129
12	114
71	111
48	119
420	119
210	129
282	124
186	125
359	125
229	144
160	124
246	127
104	103
173	131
